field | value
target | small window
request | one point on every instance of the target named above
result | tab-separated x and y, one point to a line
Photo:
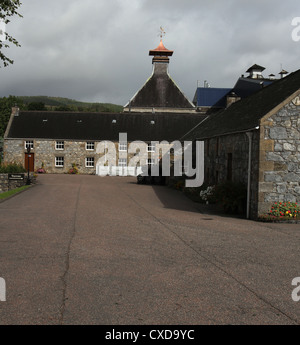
90	145
151	147
90	162
60	145
150	161
122	162
29	143
59	162
122	146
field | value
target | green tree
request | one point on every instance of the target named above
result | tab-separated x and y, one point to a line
63	108
36	106
8	9
6	104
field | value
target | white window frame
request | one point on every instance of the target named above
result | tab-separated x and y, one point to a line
59	162
90	146
122	147
59	145
122	162
151	147
29	143
89	162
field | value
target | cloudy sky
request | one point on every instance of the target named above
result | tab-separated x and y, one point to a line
98	50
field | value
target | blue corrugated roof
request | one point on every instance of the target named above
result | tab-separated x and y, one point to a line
208	97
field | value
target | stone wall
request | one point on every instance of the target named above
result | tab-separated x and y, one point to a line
226	158
14	151
7	184
280	157
74	152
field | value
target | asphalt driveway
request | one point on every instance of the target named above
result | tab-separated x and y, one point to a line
103	250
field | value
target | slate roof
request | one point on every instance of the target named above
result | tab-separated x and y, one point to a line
245	114
101	126
211	97
160	91
246	86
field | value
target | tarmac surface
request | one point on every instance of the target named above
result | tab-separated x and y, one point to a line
78	249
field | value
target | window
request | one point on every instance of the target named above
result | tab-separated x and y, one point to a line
122	146
90	145
90	162
29	143
150	161
59	162
122	162
151	147
60	145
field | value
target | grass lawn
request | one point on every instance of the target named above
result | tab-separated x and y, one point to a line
6	195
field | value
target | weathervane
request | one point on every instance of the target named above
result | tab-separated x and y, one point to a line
162	32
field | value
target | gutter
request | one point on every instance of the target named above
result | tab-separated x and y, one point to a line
250	137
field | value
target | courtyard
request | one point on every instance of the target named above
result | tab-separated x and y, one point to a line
81	249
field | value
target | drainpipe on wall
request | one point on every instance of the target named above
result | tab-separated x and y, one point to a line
249	135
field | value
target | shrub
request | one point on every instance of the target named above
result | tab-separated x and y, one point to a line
179	185
209	194
12	168
232	196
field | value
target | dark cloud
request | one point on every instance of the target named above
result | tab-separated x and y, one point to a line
98	50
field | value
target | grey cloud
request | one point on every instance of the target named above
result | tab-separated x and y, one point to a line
98	50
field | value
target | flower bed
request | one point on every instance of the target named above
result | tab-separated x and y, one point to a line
282	211
73	170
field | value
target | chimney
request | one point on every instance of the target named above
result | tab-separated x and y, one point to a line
231	98
255	72
271	76
283	73
15	110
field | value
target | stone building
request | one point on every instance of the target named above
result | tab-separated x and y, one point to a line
59	140
256	141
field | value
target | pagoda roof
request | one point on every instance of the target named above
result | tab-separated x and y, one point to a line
161	50
255	67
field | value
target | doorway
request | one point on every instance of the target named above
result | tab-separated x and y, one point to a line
29	160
